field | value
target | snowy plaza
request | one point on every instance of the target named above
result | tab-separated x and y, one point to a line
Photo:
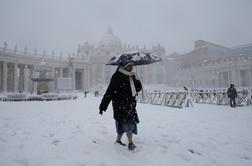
72	133
77	76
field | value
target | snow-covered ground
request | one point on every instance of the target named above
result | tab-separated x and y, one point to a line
72	133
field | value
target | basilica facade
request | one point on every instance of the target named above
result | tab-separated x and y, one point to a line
208	65
109	46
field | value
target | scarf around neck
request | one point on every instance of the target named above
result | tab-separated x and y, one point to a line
130	74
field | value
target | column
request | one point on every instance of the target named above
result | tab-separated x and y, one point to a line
34	84
248	75
232	80
26	78
35	87
229	77
83	80
87	82
238	78
216	79
1	76
69	71
250	78
4	76
31	70
220	78
54	79
11	78
16	77
21	78
60	72
73	78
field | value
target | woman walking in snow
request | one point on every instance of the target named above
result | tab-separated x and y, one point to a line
122	91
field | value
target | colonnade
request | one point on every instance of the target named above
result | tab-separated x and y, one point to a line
16	77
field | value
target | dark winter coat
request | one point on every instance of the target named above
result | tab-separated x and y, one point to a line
232	92
119	92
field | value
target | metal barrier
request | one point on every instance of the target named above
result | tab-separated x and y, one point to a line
15	97
42	97
221	98
185	99
170	99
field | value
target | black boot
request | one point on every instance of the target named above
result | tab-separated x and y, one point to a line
131	146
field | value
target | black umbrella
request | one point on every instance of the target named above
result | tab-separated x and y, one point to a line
137	58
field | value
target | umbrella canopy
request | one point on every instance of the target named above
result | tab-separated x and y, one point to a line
137	58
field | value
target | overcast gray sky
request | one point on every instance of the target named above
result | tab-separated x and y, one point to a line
175	24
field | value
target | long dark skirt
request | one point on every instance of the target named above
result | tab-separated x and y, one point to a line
122	127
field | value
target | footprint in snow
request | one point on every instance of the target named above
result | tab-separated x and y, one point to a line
55	142
194	152
160	127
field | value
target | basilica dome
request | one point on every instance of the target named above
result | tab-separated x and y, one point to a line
110	42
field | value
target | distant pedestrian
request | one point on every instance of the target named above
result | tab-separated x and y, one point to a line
96	93
185	88
232	94
85	93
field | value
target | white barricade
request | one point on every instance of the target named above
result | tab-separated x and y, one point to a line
15	97
42	97
183	99
170	99
221	98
